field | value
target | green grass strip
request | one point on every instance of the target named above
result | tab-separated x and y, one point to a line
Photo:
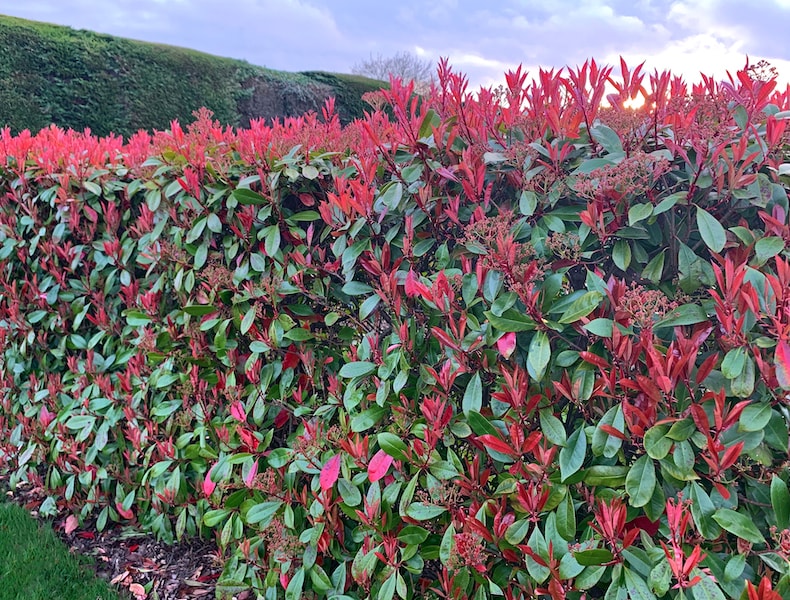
36	565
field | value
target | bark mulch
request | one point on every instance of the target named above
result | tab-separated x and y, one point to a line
132	560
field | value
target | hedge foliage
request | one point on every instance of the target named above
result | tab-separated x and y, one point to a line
509	345
80	79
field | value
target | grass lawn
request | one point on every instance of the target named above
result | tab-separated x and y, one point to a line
36	565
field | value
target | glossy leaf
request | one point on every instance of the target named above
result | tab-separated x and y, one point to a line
330	472
738	524
711	230
641	481
379	465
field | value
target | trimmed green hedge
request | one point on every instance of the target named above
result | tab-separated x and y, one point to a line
78	79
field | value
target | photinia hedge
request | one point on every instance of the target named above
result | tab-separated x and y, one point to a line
519	343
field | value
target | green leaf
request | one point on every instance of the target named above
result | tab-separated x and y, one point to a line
271	243
639	212
768	247
581	307
711	231
368	306
566	518
510	321
356	369
212	518
603	443
572	455
245	196
636	586
621	254
201	255
309	172
392	445
420	511
780	501
743	385
686	314
391	195
552	427
443	470
538	355
263	512
600	327
702	510
612	476
356	288
660	578
755	417
480	425
607	138
387	590
683	456
741	116
591	164
320	579
248	320
735	567
669	202
733	362
596	556
527	203
473	396
413	534
213	223
516	533
706	588
294	589
137	318
367	418
349	492
739	525
641	481
655	268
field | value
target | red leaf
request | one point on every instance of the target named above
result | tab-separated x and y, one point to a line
138	590
250	478
444	339
70	524
722	489
45	417
379	465
706	367
330	472
414	287
126	514
494	443
479	528
782	363
594	359
700	418
731	455
506	344
237	411
645	524
612	431
208	485
281	418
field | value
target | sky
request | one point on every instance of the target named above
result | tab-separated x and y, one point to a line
481	39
